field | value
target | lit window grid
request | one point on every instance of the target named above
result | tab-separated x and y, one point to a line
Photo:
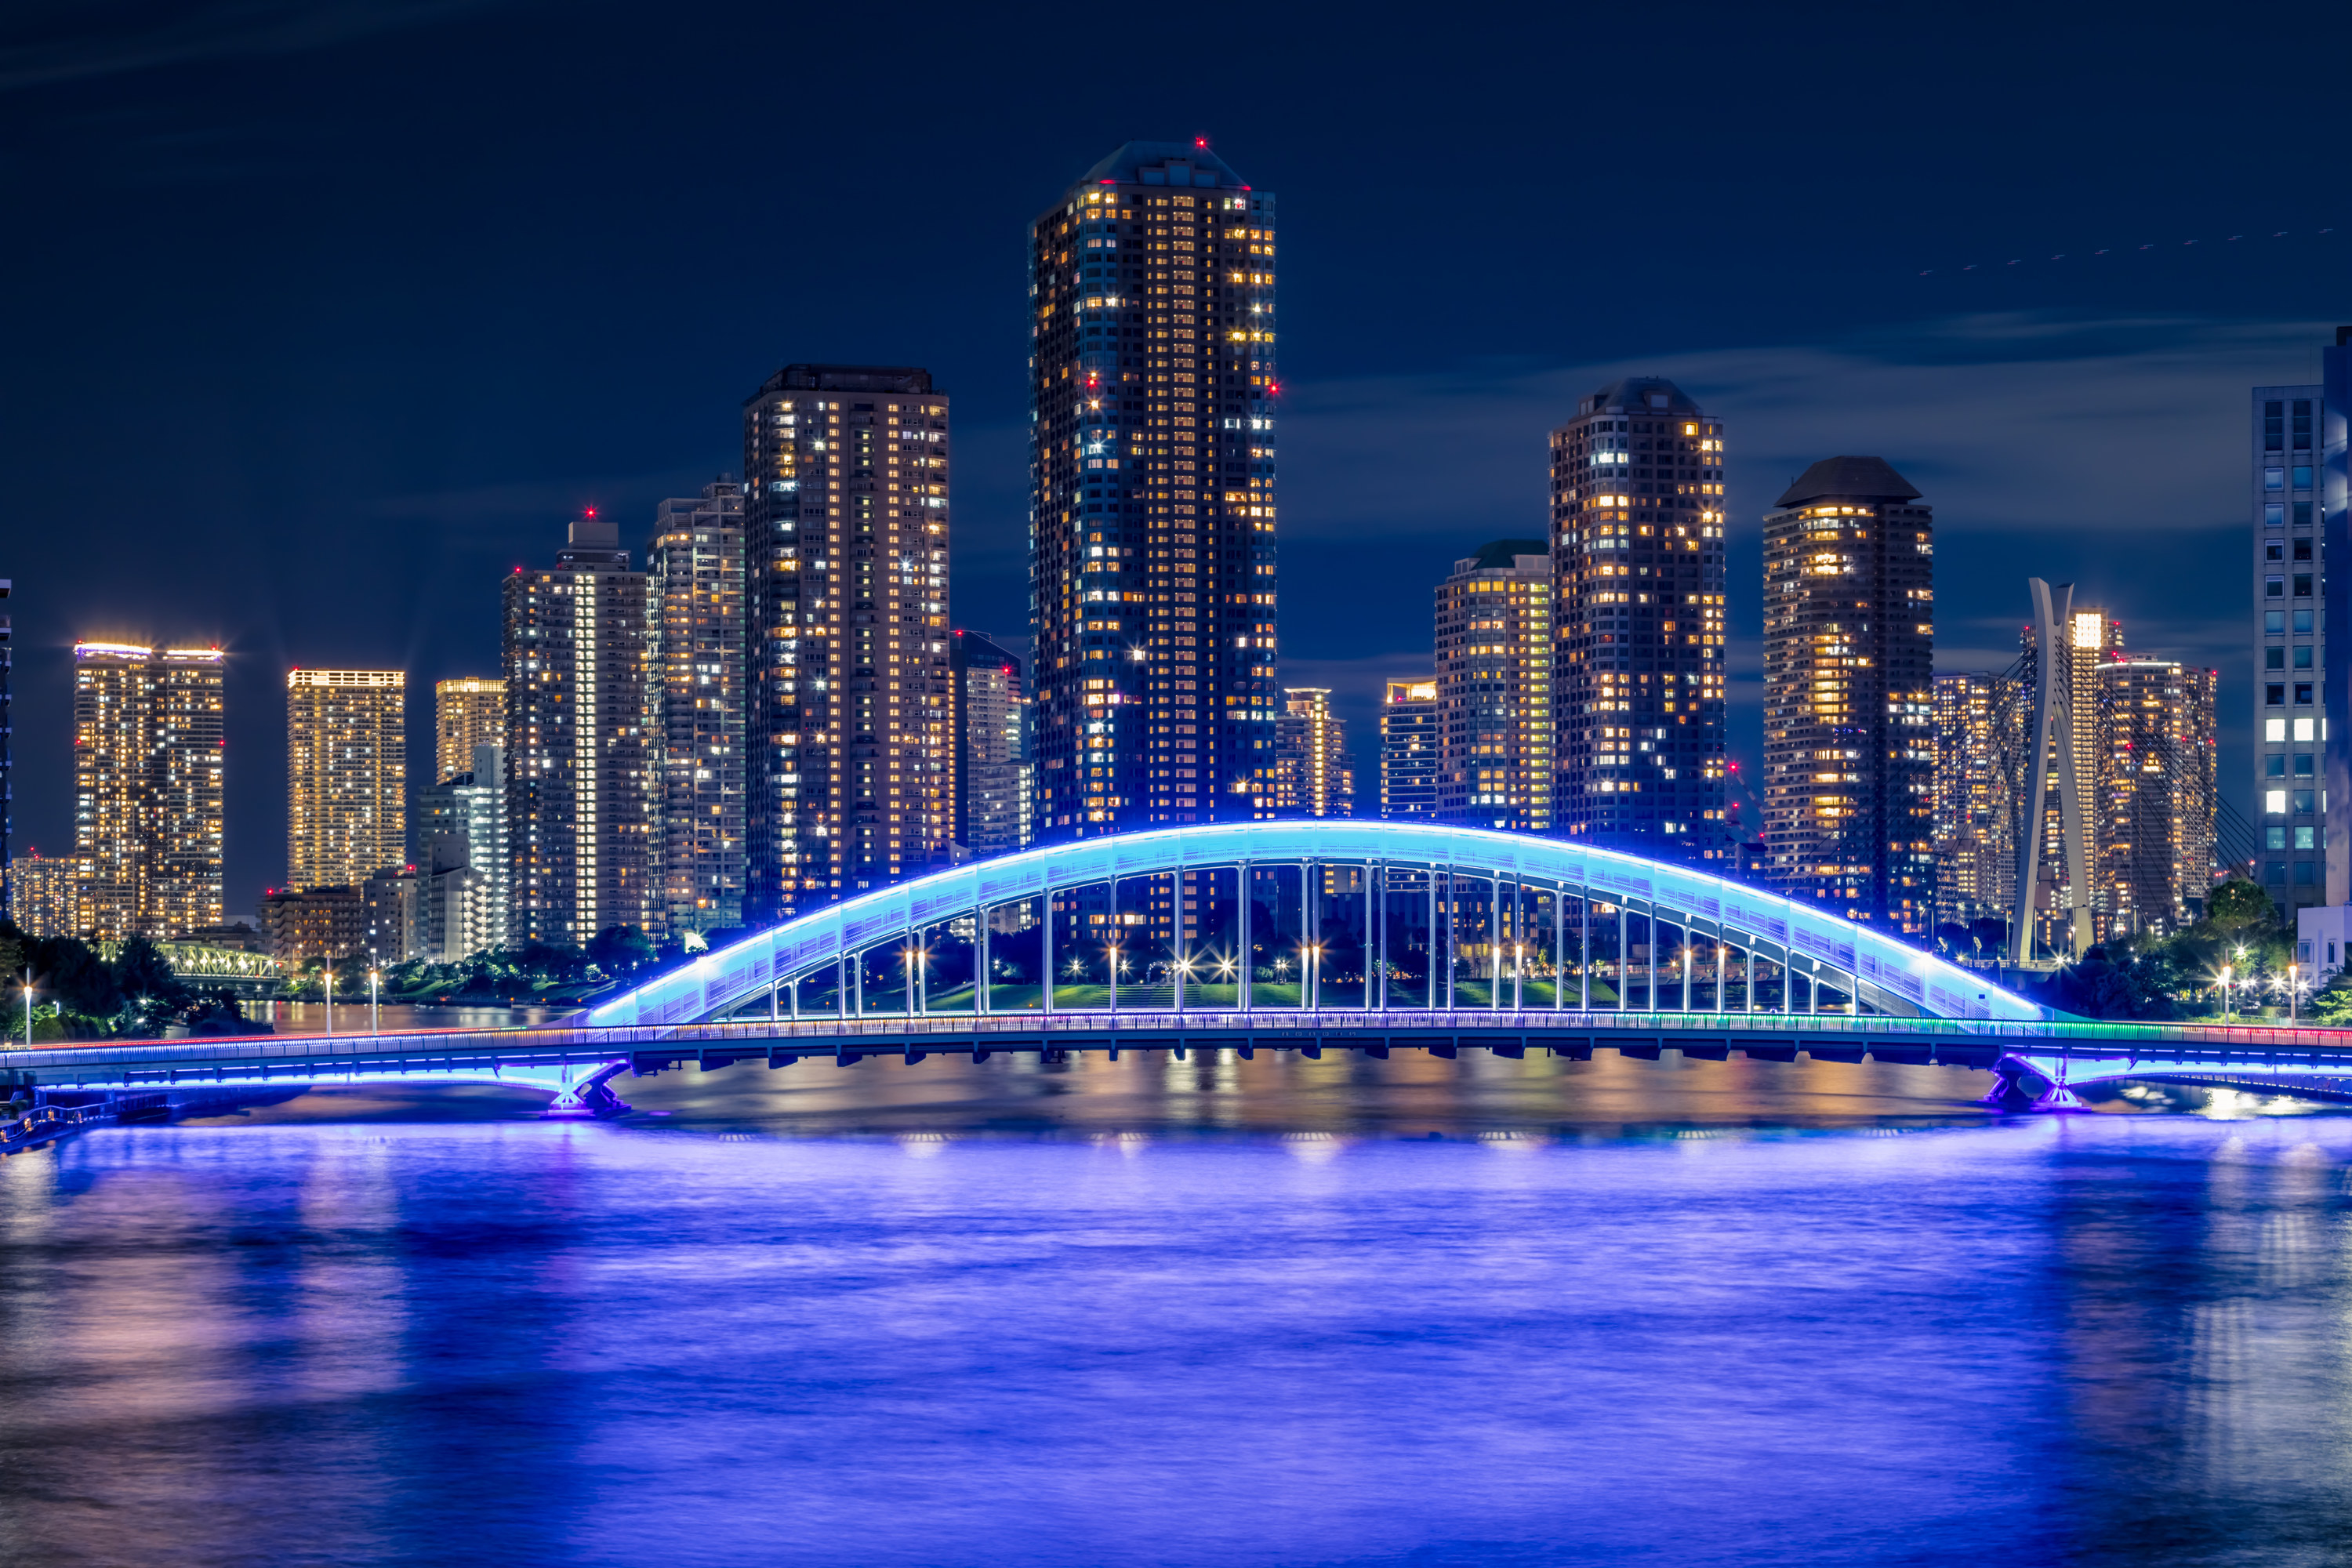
1154	671
849	517
1613	784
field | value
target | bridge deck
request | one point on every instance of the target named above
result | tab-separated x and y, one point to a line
645	1049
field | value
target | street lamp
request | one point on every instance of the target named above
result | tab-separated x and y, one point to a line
29	1008
375	1016
331	995
2226	996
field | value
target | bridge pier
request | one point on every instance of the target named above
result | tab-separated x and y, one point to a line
580	1092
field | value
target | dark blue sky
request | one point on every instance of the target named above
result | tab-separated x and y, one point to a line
324	316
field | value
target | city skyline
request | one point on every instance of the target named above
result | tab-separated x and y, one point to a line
1137	750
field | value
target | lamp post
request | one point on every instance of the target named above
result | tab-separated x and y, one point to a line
29	1008
2225	994
376	1015
331	995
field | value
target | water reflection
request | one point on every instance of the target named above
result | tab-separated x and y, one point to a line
1410	1095
1246	1313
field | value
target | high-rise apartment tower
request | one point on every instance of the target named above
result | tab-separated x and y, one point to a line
695	564
846	529
2303	712
992	734
346	775
579	794
462	862
1637	550
468	711
1152	495
1849	705
1410	750
1495	707
1312	774
148	765
2154	825
1976	856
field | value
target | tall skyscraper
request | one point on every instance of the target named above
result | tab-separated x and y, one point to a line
1409	750
468	711
695	565
847	532
1976	856
2155	781
346	775
1637	552
1849	739
992	734
579	796
1494	706
2303	712
2091	637
1313	776
148	765
1152	495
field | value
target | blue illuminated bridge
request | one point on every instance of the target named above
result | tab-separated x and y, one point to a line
1305	937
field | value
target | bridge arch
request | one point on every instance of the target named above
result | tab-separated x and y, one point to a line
1315	915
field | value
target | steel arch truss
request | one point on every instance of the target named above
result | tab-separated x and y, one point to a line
1378	915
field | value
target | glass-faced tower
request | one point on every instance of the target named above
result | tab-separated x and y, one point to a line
1152	495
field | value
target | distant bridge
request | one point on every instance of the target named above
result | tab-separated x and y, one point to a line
204	968
1305	937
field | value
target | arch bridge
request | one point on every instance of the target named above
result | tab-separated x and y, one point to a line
1298	937
1316	916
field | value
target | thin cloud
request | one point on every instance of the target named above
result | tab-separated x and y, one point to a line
76	42
2010	423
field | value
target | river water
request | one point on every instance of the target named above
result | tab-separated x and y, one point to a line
1276	1312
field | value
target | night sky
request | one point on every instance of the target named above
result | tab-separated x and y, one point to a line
321	318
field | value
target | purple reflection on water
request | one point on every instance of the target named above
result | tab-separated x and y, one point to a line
2105	1339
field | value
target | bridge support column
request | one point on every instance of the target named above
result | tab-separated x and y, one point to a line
1045	982
1242	995
1650	947
1584	950
980	970
1560	947
1182	956
1376	947
1432	964
1495	945
1624	926
1749	999
579	1091
1686	964
2022	1084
